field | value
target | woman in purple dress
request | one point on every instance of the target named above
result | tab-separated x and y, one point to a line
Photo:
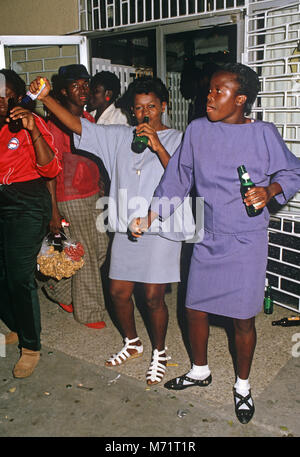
227	272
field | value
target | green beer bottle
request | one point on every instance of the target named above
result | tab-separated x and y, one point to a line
247	184
268	301
140	143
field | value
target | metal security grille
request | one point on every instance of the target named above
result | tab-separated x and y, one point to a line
283	270
272	49
178	106
111	14
125	74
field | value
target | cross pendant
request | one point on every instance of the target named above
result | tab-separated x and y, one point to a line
138	172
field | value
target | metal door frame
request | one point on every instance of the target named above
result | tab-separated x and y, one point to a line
45	40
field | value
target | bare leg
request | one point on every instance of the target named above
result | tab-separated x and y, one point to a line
245	341
121	295
158	314
198	335
158	318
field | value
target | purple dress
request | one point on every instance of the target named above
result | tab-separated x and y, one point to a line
227	272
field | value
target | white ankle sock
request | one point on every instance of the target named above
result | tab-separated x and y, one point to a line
242	387
199	372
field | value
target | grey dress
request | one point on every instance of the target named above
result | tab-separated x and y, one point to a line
155	257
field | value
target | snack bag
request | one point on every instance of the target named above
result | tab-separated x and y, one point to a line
60	257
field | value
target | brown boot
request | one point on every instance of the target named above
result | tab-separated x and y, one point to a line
11	338
26	364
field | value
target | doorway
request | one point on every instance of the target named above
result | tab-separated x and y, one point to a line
191	58
177	53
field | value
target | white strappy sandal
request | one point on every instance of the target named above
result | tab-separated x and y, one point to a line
157	370
124	355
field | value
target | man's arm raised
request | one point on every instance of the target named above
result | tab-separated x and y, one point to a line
68	119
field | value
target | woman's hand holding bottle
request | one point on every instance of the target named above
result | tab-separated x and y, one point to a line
18	112
259	197
139	225
145	129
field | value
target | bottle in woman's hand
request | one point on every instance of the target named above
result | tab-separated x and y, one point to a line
140	143
247	184
14	125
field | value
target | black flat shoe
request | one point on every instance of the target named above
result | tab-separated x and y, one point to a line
243	415
177	383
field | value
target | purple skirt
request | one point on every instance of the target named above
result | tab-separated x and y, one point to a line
227	274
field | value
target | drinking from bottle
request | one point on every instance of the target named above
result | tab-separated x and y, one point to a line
15	125
140	143
247	184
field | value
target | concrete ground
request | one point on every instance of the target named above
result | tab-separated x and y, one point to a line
72	393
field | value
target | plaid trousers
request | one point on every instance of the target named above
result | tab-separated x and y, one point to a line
84	290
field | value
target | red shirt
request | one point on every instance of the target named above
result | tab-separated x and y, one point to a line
80	176
17	155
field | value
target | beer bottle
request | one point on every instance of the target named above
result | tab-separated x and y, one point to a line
247	184
140	143
288	321
268	300
14	125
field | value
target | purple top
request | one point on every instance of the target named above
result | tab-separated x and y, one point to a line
209	157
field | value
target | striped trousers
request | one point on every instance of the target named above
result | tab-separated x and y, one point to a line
84	290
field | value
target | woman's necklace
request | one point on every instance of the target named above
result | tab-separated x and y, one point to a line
138	167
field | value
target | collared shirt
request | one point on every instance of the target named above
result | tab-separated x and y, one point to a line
17	155
80	176
111	115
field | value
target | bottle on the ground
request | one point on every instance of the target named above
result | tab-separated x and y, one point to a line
288	321
268	300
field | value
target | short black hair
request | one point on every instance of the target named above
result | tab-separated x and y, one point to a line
58	84
145	85
109	81
248	81
17	83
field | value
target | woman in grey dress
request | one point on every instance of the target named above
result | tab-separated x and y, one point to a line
154	260
228	267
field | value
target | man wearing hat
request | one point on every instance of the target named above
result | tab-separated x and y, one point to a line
74	196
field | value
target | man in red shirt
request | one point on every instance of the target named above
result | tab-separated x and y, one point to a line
74	195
